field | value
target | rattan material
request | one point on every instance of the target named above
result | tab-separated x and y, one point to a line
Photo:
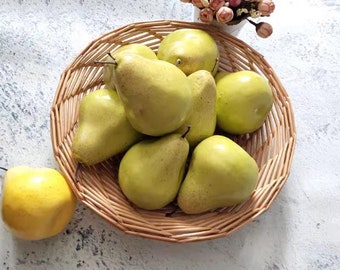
272	146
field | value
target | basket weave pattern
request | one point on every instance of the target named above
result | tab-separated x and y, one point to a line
272	146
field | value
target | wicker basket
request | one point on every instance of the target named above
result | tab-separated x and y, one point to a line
272	146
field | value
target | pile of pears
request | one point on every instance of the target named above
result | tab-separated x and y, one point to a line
160	111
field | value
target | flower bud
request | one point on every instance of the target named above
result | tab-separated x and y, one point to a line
216	4
198	3
264	29
224	15
266	7
234	3
205	3
206	15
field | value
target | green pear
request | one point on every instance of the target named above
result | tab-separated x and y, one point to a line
202	116
244	99
152	170
103	130
156	94
220	174
134	48
190	50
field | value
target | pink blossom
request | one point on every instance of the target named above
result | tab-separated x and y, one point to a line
206	15
234	3
224	15
264	29
266	7
216	4
198	3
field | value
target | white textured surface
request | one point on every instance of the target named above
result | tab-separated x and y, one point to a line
302	228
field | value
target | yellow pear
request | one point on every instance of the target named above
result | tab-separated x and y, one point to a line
190	50
151	171
221	173
134	48
244	99
103	130
156	94
202	116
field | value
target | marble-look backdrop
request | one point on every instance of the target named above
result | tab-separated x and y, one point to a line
38	39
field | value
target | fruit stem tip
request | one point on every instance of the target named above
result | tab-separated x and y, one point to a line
113	62
186	132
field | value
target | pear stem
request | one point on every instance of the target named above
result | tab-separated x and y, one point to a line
105	62
114	59
114	62
5	169
216	61
186	132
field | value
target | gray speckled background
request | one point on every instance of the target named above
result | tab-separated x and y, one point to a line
38	39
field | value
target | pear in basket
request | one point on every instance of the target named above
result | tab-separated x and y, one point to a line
134	48
190	50
202	116
244	99
103	130
152	171
221	173
156	94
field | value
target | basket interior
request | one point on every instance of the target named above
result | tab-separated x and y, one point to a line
272	146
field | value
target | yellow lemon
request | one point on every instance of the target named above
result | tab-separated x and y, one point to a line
37	203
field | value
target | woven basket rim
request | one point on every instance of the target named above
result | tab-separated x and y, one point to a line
272	146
